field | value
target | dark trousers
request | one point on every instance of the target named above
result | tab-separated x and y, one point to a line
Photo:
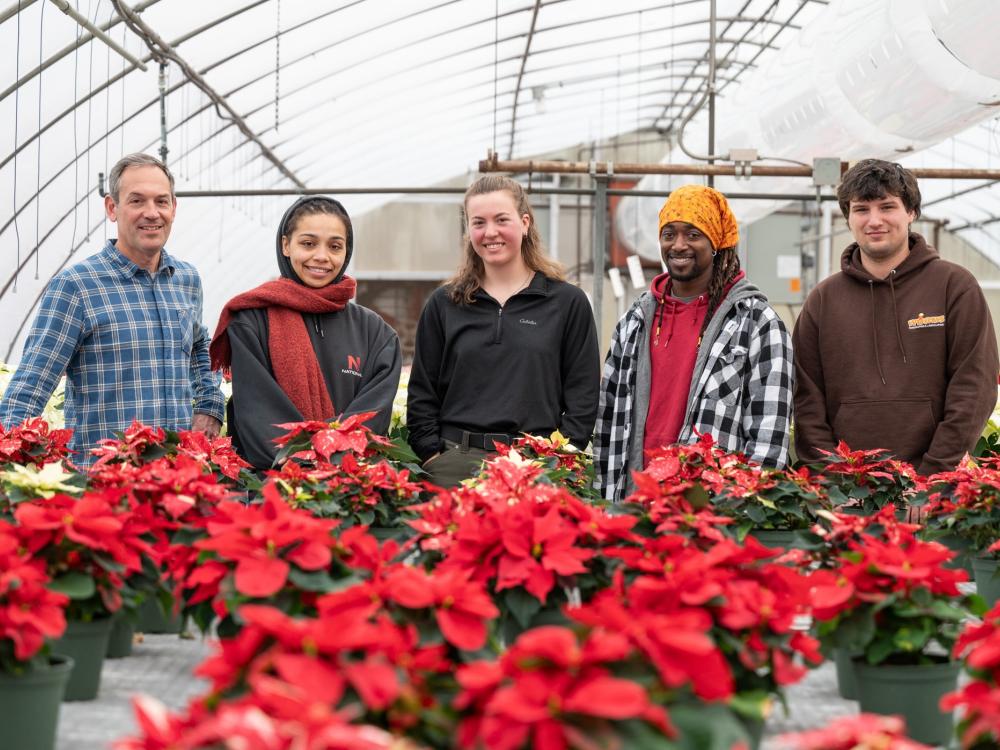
456	463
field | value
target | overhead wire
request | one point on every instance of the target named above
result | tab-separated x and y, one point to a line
76	142
38	160
17	102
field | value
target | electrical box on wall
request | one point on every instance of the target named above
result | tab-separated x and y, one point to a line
772	247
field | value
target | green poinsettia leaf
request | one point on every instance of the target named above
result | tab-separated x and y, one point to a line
879	650
910	640
75	585
697	495
707	727
522	605
312	580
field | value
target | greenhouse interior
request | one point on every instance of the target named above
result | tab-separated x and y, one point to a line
499	374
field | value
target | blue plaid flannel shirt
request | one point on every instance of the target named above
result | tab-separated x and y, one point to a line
131	344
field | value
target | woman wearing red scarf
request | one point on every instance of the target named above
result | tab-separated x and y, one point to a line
296	349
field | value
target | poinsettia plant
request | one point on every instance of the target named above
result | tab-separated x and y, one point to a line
966	503
861	732
865	481
173	481
562	463
978	700
888	594
781	500
343	470
276	720
89	547
141	444
534	544
740	602
27	482
33	442
30	612
267	551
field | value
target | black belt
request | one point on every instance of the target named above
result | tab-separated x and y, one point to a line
482	440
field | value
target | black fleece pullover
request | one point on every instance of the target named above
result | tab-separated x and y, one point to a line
532	366
358	354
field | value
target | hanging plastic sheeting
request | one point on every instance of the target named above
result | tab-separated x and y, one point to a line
866	78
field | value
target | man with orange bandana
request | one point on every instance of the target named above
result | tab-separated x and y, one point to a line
701	352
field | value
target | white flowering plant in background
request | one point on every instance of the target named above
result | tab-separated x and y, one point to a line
53	413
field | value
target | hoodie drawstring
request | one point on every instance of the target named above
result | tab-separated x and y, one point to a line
878	364
318	327
895	315
659	319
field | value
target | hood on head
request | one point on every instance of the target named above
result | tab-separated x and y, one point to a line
284	264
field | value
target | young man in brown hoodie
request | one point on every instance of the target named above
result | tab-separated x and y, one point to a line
896	351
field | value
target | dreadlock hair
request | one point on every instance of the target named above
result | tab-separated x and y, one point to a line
725	266
471	274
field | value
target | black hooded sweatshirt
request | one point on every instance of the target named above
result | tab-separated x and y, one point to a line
358	354
907	363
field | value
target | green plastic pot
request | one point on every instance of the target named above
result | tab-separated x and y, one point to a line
152	619
774	538
846	684
987	581
912	691
29	705
963	550
85	643
121	637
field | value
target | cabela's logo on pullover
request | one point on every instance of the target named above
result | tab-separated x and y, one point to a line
353	366
925	321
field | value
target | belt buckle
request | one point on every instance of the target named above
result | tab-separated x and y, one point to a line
495	437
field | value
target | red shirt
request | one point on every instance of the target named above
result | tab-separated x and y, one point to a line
673	348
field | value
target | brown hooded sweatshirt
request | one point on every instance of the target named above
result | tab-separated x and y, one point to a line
908	363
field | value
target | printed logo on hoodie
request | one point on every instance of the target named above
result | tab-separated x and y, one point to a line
353	366
925	321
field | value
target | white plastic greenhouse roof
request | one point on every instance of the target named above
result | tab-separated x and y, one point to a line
352	94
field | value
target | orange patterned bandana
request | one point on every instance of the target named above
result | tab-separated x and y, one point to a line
705	208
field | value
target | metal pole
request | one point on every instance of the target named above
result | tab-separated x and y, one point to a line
554	220
825	243
70	11
535	190
711	88
600	243
163	112
719	170
15	9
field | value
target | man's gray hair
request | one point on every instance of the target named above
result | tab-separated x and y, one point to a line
135	160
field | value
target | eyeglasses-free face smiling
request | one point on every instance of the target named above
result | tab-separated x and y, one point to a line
881	227
316	248
688	255
495	228
144	213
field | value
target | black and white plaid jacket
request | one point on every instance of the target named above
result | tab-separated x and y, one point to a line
741	388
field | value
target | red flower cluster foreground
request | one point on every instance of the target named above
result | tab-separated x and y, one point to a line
862	732
277	722
979	699
29	612
545	688
503	614
33	442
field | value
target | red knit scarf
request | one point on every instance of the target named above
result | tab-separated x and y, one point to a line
297	373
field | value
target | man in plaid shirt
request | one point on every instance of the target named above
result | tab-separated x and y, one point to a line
701	352
124	326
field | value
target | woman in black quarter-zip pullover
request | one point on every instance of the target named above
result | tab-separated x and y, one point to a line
506	347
